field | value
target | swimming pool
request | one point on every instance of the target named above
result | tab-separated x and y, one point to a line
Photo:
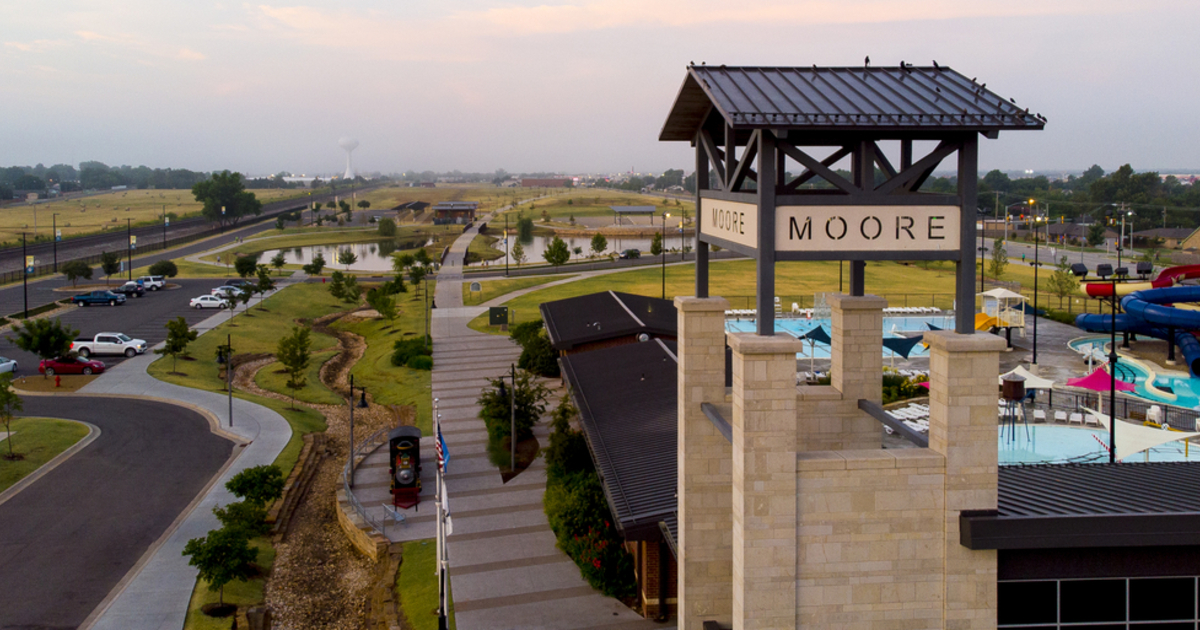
892	327
1048	444
1172	390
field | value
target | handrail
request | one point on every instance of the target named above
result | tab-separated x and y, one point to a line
875	410
378	524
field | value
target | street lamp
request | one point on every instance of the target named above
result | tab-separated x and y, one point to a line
1036	264
663	250
54	221
361	405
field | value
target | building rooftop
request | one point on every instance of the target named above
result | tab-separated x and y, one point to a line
634	209
1175	233
915	98
606	315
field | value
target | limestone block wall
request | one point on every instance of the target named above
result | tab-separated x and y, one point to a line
870	539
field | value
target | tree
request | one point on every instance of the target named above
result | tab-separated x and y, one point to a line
76	269
656	244
244	518
364	204
294	353
577	251
557	252
110	263
314	267
345	207
1095	234
179	335
258	485
1062	282
337	285
347	257
245	265
387	227
226	199
47	338
164	268
353	291
599	244
526	406
383	304
9	402
278	261
401	263
280	223
999	260
517	253
224	555
265	283
331	204
524	228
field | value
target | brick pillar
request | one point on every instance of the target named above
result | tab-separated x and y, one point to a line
963	373
705	527
764	481
856	367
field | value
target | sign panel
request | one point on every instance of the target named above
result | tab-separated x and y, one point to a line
734	221
866	228
29	264
133	241
58	234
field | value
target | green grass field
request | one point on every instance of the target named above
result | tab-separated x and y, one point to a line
272	377
483	247
248	593
493	289
39	440
417	587
109	211
591	202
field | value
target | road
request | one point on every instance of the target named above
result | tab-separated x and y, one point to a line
69	538
140	318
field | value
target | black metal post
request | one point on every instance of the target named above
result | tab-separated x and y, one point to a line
1036	265
968	186
229	374
129	246
25	276
512	428
164	218
765	265
702	184
351	480
1112	376
506	245
662	249
54	235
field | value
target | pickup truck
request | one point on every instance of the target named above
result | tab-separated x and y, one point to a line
98	297
152	283
109	343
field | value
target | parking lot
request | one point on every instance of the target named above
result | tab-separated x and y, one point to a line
140	318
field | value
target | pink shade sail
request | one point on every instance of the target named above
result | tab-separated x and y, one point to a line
1099	381
924	384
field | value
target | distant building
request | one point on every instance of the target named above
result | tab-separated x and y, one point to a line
1172	238
561	182
454	212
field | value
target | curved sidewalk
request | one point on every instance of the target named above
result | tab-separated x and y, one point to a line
156	594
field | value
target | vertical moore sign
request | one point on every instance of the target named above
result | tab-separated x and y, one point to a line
837	229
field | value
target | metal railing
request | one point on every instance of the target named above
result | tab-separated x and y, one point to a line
347	470
1128	408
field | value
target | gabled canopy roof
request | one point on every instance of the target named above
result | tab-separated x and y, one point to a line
811	98
1032	381
1000	293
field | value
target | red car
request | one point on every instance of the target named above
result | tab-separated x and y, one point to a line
65	365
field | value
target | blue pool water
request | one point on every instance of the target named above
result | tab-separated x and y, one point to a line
1048	444
892	326
1185	390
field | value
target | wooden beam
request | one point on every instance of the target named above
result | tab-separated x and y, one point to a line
820	169
715	156
909	179
808	174
738	174
882	161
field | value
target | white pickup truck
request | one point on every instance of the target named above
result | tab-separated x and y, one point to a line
109	343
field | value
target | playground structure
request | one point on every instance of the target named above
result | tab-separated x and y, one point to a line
1002	309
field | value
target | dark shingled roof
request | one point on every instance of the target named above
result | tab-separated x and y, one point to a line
627	407
598	316
889	98
1175	233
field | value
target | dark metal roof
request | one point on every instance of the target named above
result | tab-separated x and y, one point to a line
457	205
884	98
628	410
634	209
1176	233
1092	489
606	315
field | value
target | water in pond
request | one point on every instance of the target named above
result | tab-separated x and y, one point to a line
371	256
535	247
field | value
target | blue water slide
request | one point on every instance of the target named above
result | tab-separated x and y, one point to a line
1146	313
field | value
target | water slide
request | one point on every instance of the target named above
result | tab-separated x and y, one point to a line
1152	312
1166	278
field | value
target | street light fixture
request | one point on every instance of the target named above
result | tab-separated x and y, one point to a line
54	235
663	250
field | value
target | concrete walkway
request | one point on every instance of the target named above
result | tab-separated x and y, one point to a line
156	594
505	570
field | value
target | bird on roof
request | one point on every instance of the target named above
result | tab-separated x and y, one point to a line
973	79
935	65
867	61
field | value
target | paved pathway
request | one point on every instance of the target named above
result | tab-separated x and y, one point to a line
157	593
505	571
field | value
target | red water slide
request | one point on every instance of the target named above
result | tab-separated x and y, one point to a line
1166	277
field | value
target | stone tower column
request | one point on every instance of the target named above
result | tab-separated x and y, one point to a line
963	373
764	481
705	542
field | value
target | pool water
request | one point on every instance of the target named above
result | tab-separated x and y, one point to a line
1172	390
1047	444
892	327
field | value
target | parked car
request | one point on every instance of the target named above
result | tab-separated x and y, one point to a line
152	283
208	301
70	365
131	289
240	283
8	365
228	291
98	297
109	343
631	253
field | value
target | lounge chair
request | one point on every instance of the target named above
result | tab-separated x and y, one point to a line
1091	420
1075	418
1039	416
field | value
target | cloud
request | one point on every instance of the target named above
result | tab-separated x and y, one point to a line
38	45
187	53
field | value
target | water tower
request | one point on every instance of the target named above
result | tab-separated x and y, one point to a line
349	144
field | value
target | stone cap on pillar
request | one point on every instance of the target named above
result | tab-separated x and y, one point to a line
691	303
950	341
750	343
847	302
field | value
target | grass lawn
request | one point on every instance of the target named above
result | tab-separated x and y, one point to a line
489	197
272	377
388	384
483	248
96	213
39	440
417	585
244	594
901	284
35	382
493	289
592	202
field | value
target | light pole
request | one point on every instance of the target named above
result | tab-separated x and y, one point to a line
229	373
54	222
1036	264
165	223
1112	377
361	405
25	276
663	250
129	246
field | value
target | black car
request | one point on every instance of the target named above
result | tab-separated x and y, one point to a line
240	283
132	289
631	253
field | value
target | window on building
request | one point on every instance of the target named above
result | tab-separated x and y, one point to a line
1168	603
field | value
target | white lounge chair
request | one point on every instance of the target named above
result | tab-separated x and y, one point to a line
1060	417
1091	420
1075	418
1039	415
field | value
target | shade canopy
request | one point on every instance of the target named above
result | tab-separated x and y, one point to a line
1100	381
902	345
1032	381
1001	293
1135	438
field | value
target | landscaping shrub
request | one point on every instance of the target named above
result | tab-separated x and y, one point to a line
420	362
495	409
164	268
537	354
406	349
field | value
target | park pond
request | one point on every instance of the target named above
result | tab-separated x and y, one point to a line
535	247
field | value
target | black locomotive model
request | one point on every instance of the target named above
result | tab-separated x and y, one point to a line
404	456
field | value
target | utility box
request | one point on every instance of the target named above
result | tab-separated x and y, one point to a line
498	316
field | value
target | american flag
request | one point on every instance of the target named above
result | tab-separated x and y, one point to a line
443	453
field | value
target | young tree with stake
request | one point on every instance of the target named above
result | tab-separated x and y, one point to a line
294	352
9	403
179	335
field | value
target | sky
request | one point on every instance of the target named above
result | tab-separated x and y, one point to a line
549	85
